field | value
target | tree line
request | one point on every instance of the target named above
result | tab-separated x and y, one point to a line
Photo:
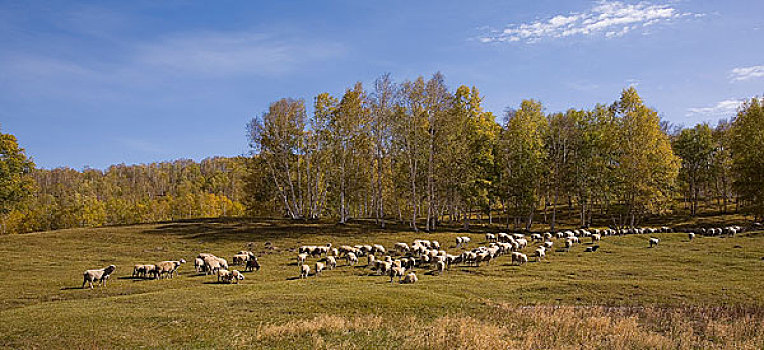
127	194
421	154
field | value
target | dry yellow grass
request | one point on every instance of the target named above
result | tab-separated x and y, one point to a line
539	327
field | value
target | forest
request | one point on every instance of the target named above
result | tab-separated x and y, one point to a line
419	153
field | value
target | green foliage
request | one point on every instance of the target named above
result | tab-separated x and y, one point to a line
695	147
15	183
524	157
183	189
747	144
645	165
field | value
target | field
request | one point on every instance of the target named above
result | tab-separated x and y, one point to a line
708	293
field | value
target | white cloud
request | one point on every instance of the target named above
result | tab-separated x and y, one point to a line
611	18
745	73
721	109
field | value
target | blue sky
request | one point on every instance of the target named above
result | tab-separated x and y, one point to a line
98	83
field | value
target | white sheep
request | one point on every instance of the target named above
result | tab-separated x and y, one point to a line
319	267
236	276
490	237
397	272
301	258
331	262
540	253
596	237
100	275
351	258
691	236
519	258
199	264
168	267
410	278
304	271
568	244
378	248
654	242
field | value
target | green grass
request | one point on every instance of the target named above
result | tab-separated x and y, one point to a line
680	283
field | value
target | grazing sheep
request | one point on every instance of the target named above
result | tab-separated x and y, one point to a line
691	236
568	244
351	258
143	270
490	237
548	245
396	272
536	237
378	248
462	241
441	267
211	265
654	242
304	271
319	267
540	253
240	259
100	275
383	267
199	264
236	276
252	265
596	237
370	260
519	258
223	275
168	267
591	249
301	258
137	269
410	278
331	263
402	247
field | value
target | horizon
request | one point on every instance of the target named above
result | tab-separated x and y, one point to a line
95	85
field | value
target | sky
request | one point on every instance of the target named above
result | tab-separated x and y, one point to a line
90	84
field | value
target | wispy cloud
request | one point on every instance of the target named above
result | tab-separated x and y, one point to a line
746	73
216	53
160	63
721	109
608	18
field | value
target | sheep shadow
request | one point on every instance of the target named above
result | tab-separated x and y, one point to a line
73	288
293	278
136	278
217	283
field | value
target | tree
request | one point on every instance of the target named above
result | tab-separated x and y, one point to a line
15	182
350	144
748	155
695	147
524	158
277	137
383	101
646	167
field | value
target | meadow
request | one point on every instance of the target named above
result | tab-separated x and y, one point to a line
701	294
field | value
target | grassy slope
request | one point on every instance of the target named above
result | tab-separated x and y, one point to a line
42	306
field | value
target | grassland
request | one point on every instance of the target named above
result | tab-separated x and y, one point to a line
708	293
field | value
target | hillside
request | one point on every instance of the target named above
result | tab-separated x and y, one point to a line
704	293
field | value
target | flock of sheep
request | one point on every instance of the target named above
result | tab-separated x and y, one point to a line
400	261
